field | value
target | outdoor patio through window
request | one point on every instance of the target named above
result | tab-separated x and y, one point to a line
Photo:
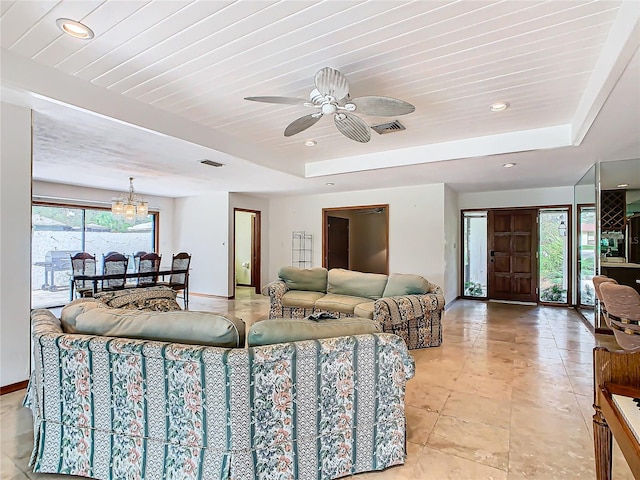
59	232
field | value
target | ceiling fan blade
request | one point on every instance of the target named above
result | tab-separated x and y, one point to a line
382	106
279	100
302	124
352	127
331	82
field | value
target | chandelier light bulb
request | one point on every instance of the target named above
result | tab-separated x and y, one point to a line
129	205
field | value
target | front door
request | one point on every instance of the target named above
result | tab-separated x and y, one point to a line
337	242
512	236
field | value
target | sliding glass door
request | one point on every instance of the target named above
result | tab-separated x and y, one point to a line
58	232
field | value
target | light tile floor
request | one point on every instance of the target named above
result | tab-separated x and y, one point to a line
508	395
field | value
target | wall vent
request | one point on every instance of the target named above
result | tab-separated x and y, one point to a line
390	127
211	163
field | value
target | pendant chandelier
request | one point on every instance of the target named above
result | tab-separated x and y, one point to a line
129	205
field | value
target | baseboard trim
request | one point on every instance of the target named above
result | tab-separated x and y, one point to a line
208	295
448	305
14	387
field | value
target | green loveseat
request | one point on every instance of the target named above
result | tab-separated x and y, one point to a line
404	304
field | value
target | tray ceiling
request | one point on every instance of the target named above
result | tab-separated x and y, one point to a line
195	61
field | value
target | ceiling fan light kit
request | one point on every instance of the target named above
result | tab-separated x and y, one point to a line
331	97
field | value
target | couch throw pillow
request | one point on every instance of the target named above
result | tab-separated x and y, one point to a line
158	298
406	284
310	279
74	308
189	327
356	284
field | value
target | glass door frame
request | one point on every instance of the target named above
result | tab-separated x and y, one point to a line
570	223
569	259
462	253
579	208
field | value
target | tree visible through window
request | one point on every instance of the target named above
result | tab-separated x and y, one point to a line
59	232
553	255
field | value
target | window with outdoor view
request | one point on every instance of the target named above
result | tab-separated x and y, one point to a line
475	254
60	231
554	255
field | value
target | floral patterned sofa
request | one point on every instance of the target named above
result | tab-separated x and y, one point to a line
116	408
403	304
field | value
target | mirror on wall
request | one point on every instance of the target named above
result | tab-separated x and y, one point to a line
585	192
619	221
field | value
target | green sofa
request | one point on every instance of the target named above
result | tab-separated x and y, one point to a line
403	304
110	406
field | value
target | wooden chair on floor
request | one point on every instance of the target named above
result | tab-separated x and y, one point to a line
114	264
180	281
83	263
148	267
136	259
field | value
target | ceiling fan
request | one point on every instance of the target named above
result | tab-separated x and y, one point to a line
331	96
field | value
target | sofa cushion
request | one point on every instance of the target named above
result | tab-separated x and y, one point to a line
301	298
200	328
338	303
311	279
406	284
358	284
159	299
282	330
74	308
364	310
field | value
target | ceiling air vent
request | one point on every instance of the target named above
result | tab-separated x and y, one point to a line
211	163
390	127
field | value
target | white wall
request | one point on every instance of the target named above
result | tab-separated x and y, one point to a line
416	227
451	284
201	228
88	196
517	198
15	244
249	202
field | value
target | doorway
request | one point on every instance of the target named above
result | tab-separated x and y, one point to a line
517	254
356	238
512	240
246	249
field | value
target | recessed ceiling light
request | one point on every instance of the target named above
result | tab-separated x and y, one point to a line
623	185
75	29
508	165
310	143
329	184
499	106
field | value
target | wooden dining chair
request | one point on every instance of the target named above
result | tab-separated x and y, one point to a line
114	264
179	278
83	263
148	267
136	259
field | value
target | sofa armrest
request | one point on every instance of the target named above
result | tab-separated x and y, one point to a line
415	318
275	291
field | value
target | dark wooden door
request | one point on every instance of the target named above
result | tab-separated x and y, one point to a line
337	242
513	242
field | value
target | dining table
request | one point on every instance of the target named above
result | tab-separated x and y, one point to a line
128	276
